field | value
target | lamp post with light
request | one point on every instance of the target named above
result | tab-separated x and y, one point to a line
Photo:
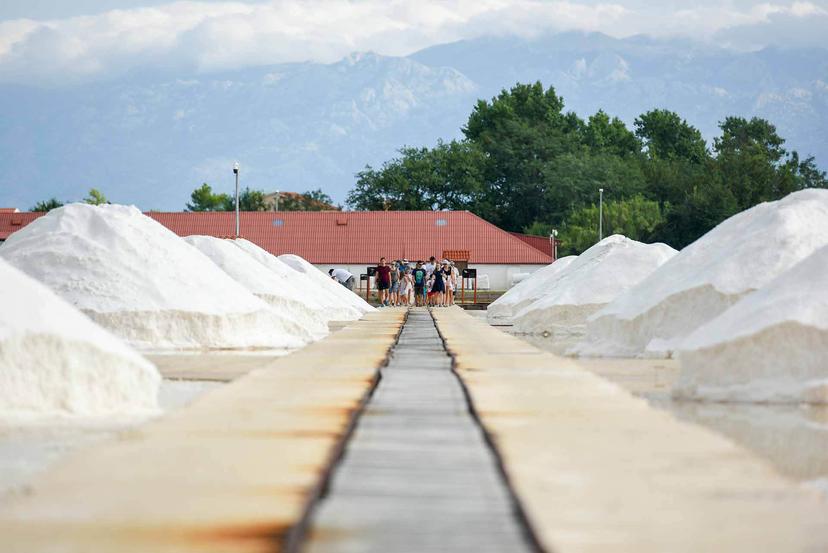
600	214
554	239
236	172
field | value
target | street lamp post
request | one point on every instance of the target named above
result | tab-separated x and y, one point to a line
554	239
236	172
600	214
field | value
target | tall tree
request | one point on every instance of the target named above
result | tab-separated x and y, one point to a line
47	205
669	137
95	197
203	199
520	131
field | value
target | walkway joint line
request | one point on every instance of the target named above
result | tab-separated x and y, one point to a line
296	535
520	513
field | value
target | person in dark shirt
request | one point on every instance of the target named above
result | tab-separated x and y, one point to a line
383	281
419	275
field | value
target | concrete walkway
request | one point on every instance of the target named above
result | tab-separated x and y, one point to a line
417	474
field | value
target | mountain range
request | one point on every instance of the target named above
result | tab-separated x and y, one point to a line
151	138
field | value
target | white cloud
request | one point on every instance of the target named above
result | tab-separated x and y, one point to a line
209	36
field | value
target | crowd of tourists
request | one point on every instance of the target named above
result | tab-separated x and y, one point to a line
405	283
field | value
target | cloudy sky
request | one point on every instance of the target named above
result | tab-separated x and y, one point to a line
50	42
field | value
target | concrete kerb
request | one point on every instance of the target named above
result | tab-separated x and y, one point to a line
600	470
238	469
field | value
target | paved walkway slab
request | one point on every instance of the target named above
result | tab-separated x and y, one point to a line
598	470
417	475
234	471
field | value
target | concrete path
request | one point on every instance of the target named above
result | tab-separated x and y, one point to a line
417	474
598	470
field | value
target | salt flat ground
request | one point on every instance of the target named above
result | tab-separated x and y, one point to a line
793	438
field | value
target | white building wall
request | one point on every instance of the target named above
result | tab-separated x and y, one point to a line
500	275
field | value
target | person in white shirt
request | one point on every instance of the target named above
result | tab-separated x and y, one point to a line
343	277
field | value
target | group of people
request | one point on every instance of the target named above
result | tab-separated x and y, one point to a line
399	283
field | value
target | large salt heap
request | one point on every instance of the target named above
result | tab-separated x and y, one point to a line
334	308
742	254
300	264
770	346
138	279
595	278
502	310
54	360
284	296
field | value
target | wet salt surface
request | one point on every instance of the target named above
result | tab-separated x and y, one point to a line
27	449
793	438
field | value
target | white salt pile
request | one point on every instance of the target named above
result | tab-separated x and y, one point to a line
300	264
334	308
55	361
771	346
283	295
740	255
592	280
502	310
142	282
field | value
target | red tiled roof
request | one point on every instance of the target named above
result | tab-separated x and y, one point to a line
541	243
10	222
356	236
8	210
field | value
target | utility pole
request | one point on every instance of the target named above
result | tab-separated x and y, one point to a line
236	172
600	214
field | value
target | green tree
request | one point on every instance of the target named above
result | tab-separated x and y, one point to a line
669	137
448	176
203	199
520	131
636	218
95	197
47	205
249	200
610	136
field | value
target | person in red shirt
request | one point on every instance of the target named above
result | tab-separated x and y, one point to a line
383	281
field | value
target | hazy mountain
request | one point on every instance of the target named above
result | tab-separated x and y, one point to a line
151	139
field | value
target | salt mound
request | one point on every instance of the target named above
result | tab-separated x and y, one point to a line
142	282
54	360
770	346
740	255
300	264
592	280
288	300
527	291
334	309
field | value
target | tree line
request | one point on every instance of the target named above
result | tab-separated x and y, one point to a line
204	199
94	197
526	165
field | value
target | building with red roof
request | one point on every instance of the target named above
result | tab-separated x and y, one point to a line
357	239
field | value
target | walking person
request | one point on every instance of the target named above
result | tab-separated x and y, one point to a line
343	277
383	273
406	286
438	288
395	282
420	278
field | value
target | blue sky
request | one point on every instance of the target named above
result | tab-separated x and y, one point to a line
59	41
